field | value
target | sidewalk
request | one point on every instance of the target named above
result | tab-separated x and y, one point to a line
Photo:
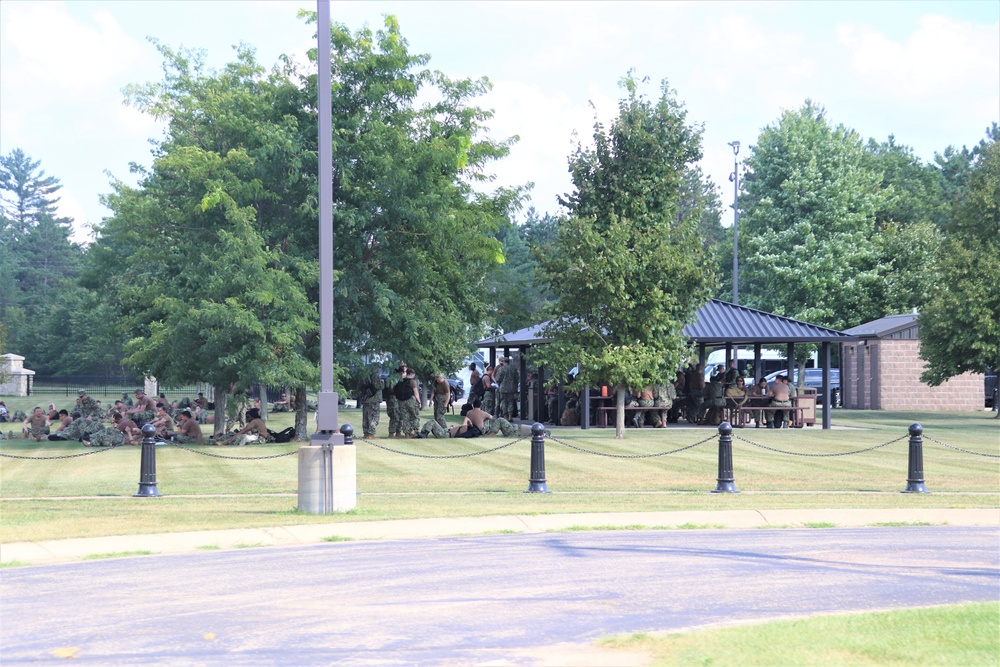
61	551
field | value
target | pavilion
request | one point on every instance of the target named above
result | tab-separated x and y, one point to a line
717	324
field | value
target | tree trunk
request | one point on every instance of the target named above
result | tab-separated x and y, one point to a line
620	414
802	375
220	409
301	413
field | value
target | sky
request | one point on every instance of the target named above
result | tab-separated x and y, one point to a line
926	72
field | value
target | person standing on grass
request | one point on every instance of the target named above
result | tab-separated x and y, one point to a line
392	403
371	401
442	398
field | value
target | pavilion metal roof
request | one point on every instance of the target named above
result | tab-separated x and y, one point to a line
884	326
716	322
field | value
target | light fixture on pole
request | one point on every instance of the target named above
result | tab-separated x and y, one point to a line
735	178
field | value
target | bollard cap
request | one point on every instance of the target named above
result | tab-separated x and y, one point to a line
347	430
537	429
725	428
916	429
148	430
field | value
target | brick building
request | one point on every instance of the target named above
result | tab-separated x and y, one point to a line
882	371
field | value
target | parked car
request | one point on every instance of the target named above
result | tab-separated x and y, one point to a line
814	380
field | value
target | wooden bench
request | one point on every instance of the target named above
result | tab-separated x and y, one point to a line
743	413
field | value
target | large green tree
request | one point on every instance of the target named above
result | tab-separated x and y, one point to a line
960	325
212	258
807	217
628	268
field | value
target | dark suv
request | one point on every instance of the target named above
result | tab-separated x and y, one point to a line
814	380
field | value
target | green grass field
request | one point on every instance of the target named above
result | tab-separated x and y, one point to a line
966	635
91	495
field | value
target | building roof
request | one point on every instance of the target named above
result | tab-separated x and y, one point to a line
716	322
885	326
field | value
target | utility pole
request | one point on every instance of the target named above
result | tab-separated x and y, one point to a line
735	178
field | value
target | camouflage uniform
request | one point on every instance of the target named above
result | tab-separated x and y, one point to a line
409	416
498	426
508	391
107	437
435	429
392	405
440	405
370	404
88	407
663	398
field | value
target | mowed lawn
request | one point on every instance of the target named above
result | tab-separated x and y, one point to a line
91	495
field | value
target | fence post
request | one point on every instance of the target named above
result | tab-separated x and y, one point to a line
727	484
536	481
147	465
915	475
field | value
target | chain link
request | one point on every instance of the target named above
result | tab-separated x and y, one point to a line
99	450
630	456
232	458
448	456
959	449
784	451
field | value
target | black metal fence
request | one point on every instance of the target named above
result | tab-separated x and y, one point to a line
102	386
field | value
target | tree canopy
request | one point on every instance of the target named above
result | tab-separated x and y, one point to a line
960	324
628	269
212	259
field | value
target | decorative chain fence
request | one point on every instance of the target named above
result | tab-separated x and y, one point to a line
441	456
631	456
785	451
959	449
232	458
100	450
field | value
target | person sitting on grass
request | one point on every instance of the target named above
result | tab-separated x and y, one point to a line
189	431
36	427
163	422
477	422
125	432
255	425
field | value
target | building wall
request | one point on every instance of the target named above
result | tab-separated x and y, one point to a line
900	388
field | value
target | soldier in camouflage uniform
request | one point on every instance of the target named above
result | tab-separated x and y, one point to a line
409	409
391	404
490	390
370	402
499	426
87	406
36	427
663	398
508	379
144	409
432	427
441	396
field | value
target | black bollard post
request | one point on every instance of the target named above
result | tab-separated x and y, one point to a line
536	482
147	465
727	484
915	476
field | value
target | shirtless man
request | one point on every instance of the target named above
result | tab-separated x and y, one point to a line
477	422
780	396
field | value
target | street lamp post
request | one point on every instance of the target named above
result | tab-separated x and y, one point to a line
735	178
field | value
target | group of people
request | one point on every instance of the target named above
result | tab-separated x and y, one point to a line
90	424
497	388
702	402
401	394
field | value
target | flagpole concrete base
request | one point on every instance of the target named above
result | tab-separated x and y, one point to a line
328	480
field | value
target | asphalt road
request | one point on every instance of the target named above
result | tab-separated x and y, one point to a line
472	600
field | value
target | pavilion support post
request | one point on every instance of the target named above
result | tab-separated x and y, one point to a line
522	394
757	364
701	355
790	359
729	354
827	394
585	407
493	357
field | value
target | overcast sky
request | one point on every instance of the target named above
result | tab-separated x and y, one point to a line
927	72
